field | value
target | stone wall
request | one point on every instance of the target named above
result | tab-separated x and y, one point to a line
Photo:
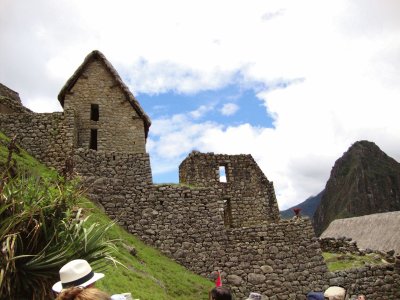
10	101
282	260
376	282
248	195
340	245
47	136
119	127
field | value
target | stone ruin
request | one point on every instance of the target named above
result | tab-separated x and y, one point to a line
206	222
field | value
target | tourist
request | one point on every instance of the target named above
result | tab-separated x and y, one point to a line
315	296
80	293
220	293
254	296
361	297
76	273
335	293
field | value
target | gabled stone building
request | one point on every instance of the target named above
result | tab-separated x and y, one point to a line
203	223
108	117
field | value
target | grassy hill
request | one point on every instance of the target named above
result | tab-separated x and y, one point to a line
147	274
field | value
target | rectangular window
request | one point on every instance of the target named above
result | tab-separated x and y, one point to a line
228	213
93	139
94	112
222	174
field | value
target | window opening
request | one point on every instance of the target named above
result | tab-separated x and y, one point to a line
222	174
94	112
93	139
227	213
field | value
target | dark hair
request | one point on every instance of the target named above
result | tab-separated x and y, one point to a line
221	293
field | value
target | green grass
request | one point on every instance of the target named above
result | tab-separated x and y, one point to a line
149	274
338	262
24	160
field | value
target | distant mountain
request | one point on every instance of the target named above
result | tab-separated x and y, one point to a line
363	181
308	207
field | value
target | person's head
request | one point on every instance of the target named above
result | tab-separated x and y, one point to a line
79	293
220	293
76	273
335	293
361	297
254	296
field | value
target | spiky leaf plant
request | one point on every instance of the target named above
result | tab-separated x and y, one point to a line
41	229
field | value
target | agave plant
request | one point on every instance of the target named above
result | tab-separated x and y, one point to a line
41	229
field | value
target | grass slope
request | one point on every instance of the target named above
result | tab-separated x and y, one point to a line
338	262
148	274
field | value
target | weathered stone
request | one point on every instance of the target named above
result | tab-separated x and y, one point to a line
234	280
267	269
256	278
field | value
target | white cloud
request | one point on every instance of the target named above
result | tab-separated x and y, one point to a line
201	111
229	109
342	56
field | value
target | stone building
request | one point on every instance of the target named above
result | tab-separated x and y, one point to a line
108	117
204	223
248	196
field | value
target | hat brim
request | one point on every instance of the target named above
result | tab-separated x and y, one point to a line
57	287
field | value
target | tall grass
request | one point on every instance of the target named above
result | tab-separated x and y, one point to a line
41	229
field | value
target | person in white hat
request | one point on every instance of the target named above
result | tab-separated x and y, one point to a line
335	293
254	296
76	273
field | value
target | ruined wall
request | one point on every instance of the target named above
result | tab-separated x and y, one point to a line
119	128
249	197
187	224
47	136
282	260
376	282
340	245
10	101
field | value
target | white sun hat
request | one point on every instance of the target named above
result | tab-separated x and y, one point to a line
77	272
335	293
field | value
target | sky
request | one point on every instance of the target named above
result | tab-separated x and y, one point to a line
293	83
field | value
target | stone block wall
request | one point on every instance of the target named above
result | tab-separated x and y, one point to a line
280	259
119	127
10	101
341	245
48	136
375	282
248	195
132	169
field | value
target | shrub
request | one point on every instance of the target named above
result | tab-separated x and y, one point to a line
41	229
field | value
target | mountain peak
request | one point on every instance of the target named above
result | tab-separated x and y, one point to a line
363	181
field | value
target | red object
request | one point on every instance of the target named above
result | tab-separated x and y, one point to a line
218	281
297	211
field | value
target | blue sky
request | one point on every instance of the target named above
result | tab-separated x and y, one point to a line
249	108
232	105
293	83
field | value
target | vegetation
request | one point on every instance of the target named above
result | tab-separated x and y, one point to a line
41	229
338	262
45	222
